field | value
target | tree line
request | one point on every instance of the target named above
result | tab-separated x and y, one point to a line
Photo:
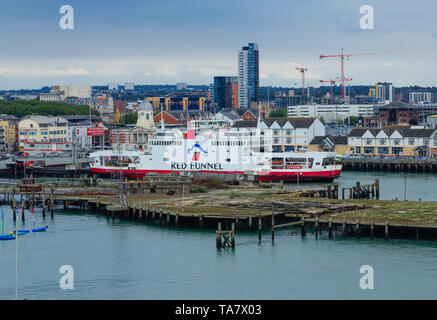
21	108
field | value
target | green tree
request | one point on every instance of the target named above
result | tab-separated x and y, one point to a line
278	113
21	108
130	118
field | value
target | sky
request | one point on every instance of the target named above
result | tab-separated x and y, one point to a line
170	41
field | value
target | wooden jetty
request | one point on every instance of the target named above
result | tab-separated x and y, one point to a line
362	191
401	164
231	210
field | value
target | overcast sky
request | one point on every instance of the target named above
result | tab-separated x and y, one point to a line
170	41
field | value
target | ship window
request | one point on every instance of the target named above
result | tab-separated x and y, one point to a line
328	161
277	163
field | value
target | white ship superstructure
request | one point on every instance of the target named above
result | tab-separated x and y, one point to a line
216	150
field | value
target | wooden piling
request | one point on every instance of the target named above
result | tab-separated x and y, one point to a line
259	226
233	235
218	235
372	230
200	221
52	203
316	226
387	231
343	229
273	227
14	204
357	229
330	228
302	227
177	220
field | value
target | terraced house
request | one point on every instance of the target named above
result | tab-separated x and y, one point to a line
401	141
288	134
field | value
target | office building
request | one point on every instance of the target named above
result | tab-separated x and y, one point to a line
384	91
420	97
225	93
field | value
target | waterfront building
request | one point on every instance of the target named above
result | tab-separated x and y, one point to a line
2	139
248	75
9	126
288	134
393	141
329	143
42	129
225	93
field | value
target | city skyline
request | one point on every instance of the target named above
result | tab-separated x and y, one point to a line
155	43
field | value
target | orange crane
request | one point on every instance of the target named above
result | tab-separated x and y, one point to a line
332	91
303	70
342	55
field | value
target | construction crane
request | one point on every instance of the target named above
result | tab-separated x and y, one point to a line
342	55
303	70
332	91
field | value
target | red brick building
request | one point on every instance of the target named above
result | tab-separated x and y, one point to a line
121	106
181	117
401	112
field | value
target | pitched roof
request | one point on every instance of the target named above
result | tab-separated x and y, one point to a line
405	132
245	124
337	140
421	133
397	105
303	122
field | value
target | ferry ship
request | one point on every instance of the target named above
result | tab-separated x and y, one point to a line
216	151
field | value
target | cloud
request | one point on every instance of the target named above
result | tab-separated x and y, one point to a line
68	72
4	70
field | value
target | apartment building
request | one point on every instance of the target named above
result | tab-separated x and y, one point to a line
396	141
50	130
331	112
288	134
9	126
248	75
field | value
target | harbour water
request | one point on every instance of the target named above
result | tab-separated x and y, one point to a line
134	260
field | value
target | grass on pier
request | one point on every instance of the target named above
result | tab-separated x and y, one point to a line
245	202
